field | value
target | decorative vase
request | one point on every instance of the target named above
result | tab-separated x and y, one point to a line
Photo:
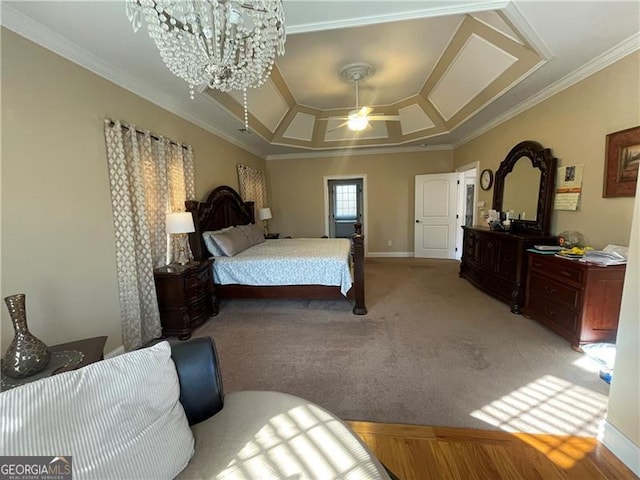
27	355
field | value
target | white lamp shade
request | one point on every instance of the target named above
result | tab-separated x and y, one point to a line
264	213
180	222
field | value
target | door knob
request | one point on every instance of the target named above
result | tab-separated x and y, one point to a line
417	221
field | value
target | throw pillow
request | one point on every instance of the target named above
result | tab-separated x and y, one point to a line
211	244
232	242
118	418
254	232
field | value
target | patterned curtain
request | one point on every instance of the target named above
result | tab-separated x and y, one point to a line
149	177
253	186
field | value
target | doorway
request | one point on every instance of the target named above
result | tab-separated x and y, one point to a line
345	206
467	201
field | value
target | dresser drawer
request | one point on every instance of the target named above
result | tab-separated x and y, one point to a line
197	283
199	308
559	319
546	290
561	269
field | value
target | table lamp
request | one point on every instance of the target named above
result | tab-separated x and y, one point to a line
264	214
180	223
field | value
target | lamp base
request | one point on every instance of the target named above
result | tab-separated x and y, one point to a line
183	258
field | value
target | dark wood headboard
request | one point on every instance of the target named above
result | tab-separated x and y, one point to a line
223	208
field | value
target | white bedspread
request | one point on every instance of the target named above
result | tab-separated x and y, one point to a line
289	261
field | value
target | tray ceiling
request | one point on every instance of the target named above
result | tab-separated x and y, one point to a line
447	69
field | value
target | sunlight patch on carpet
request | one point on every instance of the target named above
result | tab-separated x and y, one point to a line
549	405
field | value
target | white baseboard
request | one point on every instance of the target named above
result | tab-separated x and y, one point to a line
115	352
390	254
620	445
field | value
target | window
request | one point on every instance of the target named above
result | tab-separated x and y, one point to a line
346	202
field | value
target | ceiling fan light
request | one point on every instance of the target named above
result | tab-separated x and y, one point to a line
357	123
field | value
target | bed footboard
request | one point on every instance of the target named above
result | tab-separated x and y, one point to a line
358	271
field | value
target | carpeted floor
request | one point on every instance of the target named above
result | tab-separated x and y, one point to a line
433	350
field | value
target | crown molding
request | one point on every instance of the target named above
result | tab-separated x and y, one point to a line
454	8
524	28
45	37
624	48
352	152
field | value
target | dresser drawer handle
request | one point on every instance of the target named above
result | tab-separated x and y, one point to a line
549	290
565	273
549	313
537	264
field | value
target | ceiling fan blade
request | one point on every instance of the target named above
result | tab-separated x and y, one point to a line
332	118
336	128
364	111
387	118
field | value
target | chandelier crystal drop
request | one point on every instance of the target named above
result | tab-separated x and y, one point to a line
223	44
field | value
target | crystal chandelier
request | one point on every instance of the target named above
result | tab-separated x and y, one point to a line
223	44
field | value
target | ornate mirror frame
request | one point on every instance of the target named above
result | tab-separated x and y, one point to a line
541	159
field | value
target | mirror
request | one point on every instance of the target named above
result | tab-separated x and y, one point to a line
520	197
524	184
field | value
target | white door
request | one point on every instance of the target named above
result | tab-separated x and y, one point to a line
435	215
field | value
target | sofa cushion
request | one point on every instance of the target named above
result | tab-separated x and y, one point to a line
118	418
270	435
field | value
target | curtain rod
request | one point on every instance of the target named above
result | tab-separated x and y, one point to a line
152	135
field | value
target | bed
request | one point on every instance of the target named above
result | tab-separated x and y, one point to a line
333	268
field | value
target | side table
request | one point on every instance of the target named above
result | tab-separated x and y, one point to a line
91	348
186	297
65	357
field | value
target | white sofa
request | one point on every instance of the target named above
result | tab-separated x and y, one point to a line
160	412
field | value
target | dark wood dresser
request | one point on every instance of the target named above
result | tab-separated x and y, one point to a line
496	262
186	296
578	301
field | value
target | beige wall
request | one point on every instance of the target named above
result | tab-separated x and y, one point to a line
573	124
624	400
57	231
297	189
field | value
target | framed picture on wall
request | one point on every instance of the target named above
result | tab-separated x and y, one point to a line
621	163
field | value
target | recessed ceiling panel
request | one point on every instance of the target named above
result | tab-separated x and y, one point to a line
377	130
402	53
301	127
265	103
477	65
413	118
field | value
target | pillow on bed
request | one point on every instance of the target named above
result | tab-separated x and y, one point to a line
232	241
254	232
211	243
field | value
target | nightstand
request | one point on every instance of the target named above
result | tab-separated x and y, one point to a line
64	358
271	236
186	297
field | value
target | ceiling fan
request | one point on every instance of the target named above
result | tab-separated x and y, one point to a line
359	118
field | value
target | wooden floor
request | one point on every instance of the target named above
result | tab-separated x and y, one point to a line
421	453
